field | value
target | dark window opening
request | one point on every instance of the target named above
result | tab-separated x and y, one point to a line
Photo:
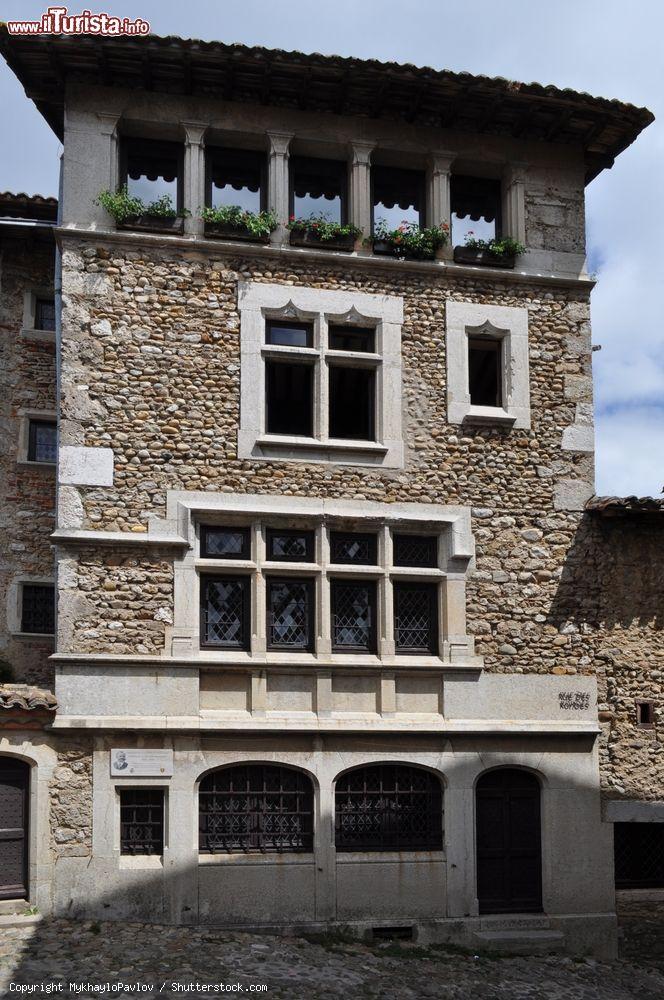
290	545
141	821
256	809
45	314
353	616
285	334
225	543
153	169
475	207
416	617
388	807
352	338
347	547
318	187
38	608
290	613
485	372
398	196
639	855
236	177
645	713
416	550
352	403
290	394
42	441
225	612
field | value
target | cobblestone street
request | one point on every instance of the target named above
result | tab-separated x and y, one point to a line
63	952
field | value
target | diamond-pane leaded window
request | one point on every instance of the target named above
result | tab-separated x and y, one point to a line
42	441
415	617
289	545
388	807
225	612
353	548
225	543
416	550
38	608
290	613
639	855
141	821
353	615
255	808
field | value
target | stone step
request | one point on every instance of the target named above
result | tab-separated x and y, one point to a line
517	922
521	942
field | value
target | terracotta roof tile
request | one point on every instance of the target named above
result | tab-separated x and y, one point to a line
26	697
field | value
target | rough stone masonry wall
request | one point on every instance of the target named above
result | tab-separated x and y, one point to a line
27	493
71	799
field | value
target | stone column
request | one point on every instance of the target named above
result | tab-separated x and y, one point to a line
193	187
439	208
514	201
360	189
109	129
278	181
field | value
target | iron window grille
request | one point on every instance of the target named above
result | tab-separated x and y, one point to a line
225	543
225	603
353	547
639	855
38	608
352	338
290	615
45	314
353	616
388	807
43	441
416	617
141	821
290	545
256	808
416	551
236	177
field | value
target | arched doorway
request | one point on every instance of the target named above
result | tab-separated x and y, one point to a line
509	849
14	799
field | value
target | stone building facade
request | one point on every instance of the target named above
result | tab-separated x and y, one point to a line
307	678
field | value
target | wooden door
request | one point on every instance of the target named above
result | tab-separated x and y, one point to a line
14	791
509	853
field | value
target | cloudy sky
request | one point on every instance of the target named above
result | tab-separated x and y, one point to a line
605	47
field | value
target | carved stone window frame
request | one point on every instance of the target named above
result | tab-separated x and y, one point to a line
259	302
507	324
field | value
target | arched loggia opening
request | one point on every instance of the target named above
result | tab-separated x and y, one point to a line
14	827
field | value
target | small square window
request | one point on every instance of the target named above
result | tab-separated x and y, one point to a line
225	612
645	713
236	177
43	441
485	371
290	617
290	393
225	543
353	616
142	821
416	617
285	334
38	608
352	338
476	208
416	550
290	545
352	547
45	314
352	403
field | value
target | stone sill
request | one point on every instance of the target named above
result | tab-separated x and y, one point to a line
291	254
24	463
281	441
243	662
43	336
489	415
81	536
140	862
33	636
276	858
389	857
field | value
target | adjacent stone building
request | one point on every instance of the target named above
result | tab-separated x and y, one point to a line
341	635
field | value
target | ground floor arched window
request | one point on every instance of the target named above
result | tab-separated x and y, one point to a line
388	807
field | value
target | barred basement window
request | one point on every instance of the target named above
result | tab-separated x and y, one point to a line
290	545
236	177
225	612
45	314
388	807
152	169
38	608
416	617
353	547
43	441
290	614
416	550
485	380
225	543
141	821
639	855
353	616
256	808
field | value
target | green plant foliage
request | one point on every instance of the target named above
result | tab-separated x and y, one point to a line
321	226
123	207
409	240
503	247
255	223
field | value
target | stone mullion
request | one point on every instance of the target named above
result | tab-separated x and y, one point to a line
278	181
514	201
194	176
439	203
360	189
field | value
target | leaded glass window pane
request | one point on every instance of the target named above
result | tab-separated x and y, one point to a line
416	550
38	608
225	543
45	314
290	614
42	441
141	821
354	615
350	547
288	545
225	612
415	617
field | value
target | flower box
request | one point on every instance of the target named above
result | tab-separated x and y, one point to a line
223	231
387	248
309	238
483	258
153	224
